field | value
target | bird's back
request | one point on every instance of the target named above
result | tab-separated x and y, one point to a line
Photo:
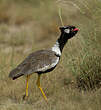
37	62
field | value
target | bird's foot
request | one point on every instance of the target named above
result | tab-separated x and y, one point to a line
25	97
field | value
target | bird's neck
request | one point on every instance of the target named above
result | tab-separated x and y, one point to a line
59	45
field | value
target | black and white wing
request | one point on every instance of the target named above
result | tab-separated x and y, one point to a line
39	61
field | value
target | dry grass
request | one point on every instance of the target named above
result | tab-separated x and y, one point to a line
26	26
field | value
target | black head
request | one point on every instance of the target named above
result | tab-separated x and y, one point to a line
69	31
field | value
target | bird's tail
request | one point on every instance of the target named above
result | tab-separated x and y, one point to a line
15	73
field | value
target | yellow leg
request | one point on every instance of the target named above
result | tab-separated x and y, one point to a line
27	85
38	84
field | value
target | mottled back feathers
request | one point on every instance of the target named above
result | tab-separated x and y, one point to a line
39	61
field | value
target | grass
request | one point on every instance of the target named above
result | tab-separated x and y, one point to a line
29	25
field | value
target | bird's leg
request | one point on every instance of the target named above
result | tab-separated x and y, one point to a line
26	94
38	84
28	76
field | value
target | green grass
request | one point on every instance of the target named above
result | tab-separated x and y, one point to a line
29	25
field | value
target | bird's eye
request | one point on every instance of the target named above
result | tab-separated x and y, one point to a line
67	30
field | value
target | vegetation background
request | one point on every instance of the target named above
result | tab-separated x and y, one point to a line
29	25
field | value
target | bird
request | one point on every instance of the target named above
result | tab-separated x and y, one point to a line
43	61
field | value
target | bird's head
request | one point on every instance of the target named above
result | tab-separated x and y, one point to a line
68	31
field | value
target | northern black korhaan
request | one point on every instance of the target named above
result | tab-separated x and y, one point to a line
43	61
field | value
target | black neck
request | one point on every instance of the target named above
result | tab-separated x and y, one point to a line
62	41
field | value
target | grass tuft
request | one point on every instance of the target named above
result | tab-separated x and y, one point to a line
89	73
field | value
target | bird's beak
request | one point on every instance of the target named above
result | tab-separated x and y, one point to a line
76	29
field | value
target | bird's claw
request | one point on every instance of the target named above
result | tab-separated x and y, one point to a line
25	97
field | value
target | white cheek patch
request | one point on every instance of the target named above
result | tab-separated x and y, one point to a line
67	31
